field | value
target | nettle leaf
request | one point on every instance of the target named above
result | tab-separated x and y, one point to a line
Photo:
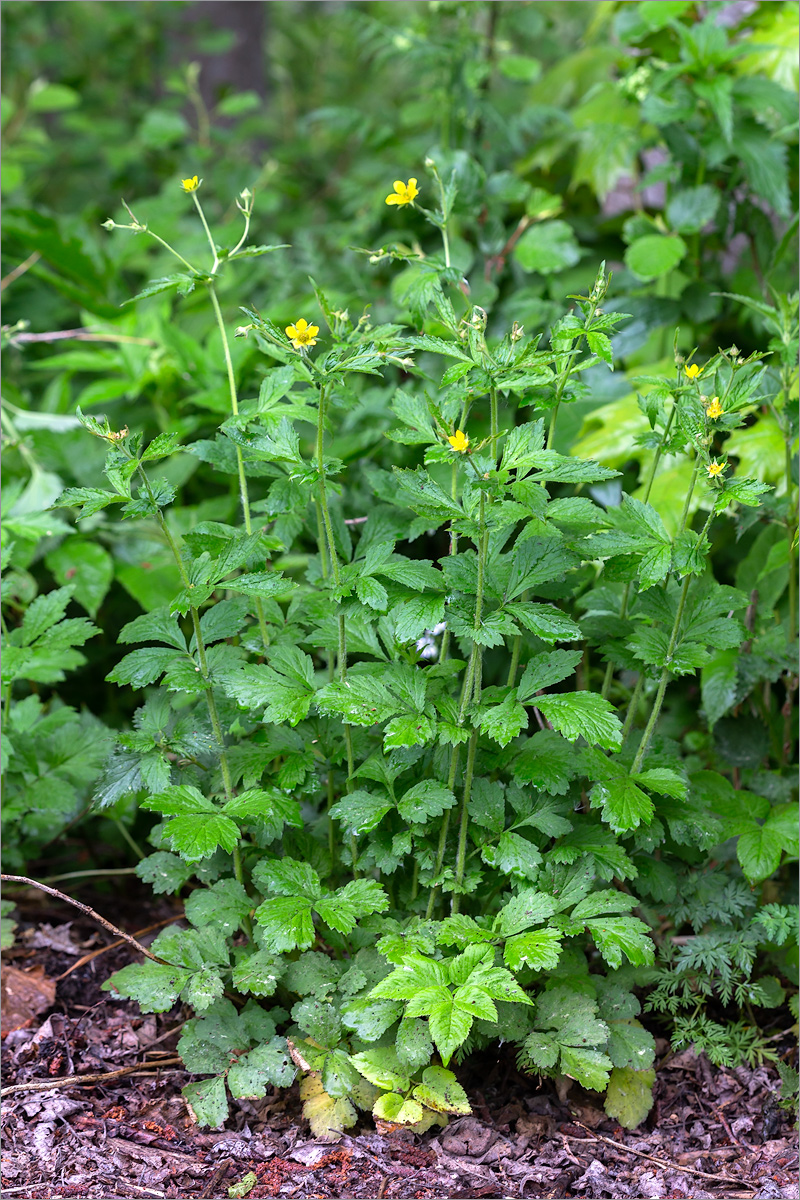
540	950
615	936
503	721
624	806
268	1064
583	714
425	800
359	700
383	1067
543	670
441	1091
361	812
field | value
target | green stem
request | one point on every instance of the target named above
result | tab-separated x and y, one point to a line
790	534
199	208
137	850
172	250
90	874
475	659
633	705
666	672
243	492
623	612
337	579
551	433
211	703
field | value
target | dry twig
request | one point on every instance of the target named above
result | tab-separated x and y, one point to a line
89	912
665	1166
50	1085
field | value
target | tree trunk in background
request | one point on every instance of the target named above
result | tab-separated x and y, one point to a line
242	68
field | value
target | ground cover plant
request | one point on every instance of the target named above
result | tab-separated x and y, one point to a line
453	721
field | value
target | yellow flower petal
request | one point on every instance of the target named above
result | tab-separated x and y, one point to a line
459	442
693	371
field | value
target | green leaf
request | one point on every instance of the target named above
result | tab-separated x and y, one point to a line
624	806
343	908
546	621
360	700
360	812
615	936
718	685
143	667
654	255
527	908
540	950
583	714
417	615
692	208
547	247
441	1091
761	847
207	1101
589	1067
86	567
630	1096
514	855
543	670
258	973
413	1043
224	905
425	800
383	1067
286	923
630	1045
394	1108
198	835
154	986
327	1116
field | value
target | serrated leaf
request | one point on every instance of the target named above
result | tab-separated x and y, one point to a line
615	936
395	1109
583	714
425	800
328	1117
630	1096
540	950
623	805
383	1067
154	986
441	1091
207	1101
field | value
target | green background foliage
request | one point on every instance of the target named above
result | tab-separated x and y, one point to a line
443	745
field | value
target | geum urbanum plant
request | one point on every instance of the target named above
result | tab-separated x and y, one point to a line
415	814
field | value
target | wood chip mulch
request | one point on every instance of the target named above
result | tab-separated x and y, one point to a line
711	1133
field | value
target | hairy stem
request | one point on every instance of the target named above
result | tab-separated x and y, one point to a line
211	703
475	657
243	491
666	672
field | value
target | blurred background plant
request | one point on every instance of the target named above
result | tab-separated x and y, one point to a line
660	137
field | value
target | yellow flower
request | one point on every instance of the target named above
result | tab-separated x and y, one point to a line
191	185
714	409
715	469
302	334
404	193
459	441
693	371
